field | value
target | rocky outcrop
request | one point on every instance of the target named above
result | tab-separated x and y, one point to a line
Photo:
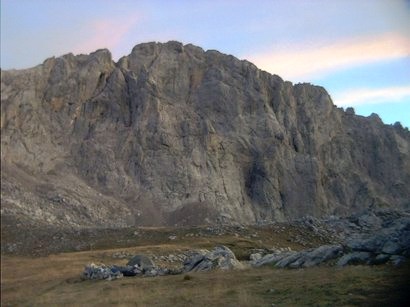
175	135
221	257
142	262
373	238
94	271
303	259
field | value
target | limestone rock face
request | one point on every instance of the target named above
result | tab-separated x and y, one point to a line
171	134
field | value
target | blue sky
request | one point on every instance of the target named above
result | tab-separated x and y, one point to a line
359	50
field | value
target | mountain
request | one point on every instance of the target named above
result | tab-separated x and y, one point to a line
174	135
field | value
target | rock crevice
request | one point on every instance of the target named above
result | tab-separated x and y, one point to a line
171	125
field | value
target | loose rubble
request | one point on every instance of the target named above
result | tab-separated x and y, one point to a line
306	258
221	257
93	271
370	238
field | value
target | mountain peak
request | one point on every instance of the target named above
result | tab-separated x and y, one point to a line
173	134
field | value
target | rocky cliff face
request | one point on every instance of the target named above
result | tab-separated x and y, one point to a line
174	135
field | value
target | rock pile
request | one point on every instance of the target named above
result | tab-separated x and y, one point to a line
292	259
93	271
387	244
368	238
221	257
143	266
171	258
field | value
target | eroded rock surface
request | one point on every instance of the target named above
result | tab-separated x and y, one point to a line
173	134
95	271
303	259
221	257
373	237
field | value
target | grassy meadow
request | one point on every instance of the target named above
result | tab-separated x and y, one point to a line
55	280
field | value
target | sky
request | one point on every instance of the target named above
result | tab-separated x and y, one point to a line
359	50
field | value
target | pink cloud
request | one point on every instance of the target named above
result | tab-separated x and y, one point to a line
106	33
304	62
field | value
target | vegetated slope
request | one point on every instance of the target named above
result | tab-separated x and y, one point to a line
174	135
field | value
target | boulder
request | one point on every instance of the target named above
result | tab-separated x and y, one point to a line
392	247
142	262
322	254
255	256
307	258
129	270
397	260
355	258
193	261
225	258
393	239
380	259
373	244
286	261
270	259
221	257
369	221
93	271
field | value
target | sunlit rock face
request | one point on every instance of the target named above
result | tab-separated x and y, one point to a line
171	134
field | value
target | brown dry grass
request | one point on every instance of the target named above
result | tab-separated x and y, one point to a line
55	281
38	240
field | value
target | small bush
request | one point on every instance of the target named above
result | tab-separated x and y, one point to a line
187	277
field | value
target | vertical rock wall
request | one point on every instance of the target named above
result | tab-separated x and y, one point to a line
172	134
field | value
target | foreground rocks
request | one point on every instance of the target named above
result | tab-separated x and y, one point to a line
221	257
93	271
371	250
307	258
323	254
370	238
390	243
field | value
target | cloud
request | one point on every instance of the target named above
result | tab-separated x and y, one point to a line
365	96
106	33
304	62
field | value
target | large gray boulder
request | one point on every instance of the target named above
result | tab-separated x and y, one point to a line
372	244
196	262
221	257
306	258
94	271
355	258
270	259
143	262
322	254
380	259
393	239
294	258
129	270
